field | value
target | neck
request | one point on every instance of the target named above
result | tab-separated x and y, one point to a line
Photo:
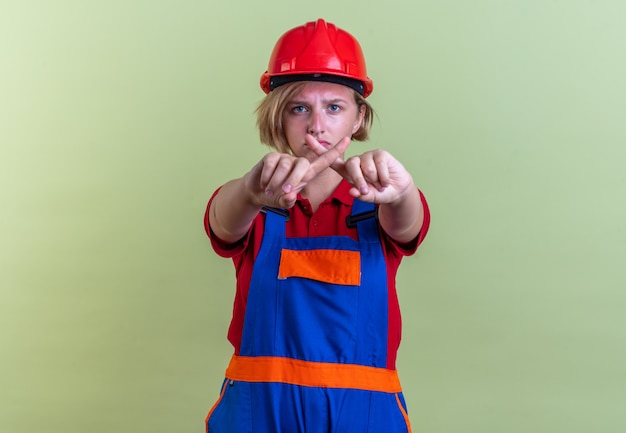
320	188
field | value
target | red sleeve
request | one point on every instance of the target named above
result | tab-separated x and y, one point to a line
222	248
409	248
426	223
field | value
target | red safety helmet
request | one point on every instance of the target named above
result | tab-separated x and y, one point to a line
317	51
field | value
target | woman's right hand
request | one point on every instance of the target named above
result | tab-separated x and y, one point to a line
277	179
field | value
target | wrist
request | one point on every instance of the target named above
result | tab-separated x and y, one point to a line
250	193
407	193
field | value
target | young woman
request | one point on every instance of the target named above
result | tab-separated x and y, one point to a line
316	240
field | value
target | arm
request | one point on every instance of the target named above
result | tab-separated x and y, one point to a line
232	211
378	177
403	219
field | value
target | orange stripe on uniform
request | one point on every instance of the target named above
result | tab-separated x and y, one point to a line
206	421
404	414
318	374
328	266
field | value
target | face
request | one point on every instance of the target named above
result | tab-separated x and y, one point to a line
327	111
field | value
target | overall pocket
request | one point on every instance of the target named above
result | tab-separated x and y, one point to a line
232	411
388	413
317	304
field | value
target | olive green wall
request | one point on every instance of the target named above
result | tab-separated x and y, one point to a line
118	119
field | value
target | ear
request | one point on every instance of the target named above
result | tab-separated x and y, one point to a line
359	119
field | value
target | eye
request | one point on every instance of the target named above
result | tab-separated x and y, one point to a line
333	108
297	109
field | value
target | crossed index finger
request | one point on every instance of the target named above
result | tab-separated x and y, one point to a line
325	160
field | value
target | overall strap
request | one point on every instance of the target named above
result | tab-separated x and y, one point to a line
364	217
275	219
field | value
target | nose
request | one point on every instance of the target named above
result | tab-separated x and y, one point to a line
316	123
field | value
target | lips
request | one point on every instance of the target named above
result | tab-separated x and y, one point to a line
326	144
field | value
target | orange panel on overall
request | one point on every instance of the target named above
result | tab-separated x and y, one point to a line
329	266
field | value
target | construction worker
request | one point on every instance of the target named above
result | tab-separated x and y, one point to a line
316	240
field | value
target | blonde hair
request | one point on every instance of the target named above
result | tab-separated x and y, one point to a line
271	109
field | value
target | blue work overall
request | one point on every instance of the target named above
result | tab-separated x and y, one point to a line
313	353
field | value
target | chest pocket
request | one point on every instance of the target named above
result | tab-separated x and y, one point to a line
331	266
318	294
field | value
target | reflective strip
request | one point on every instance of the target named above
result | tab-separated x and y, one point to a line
329	266
318	374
